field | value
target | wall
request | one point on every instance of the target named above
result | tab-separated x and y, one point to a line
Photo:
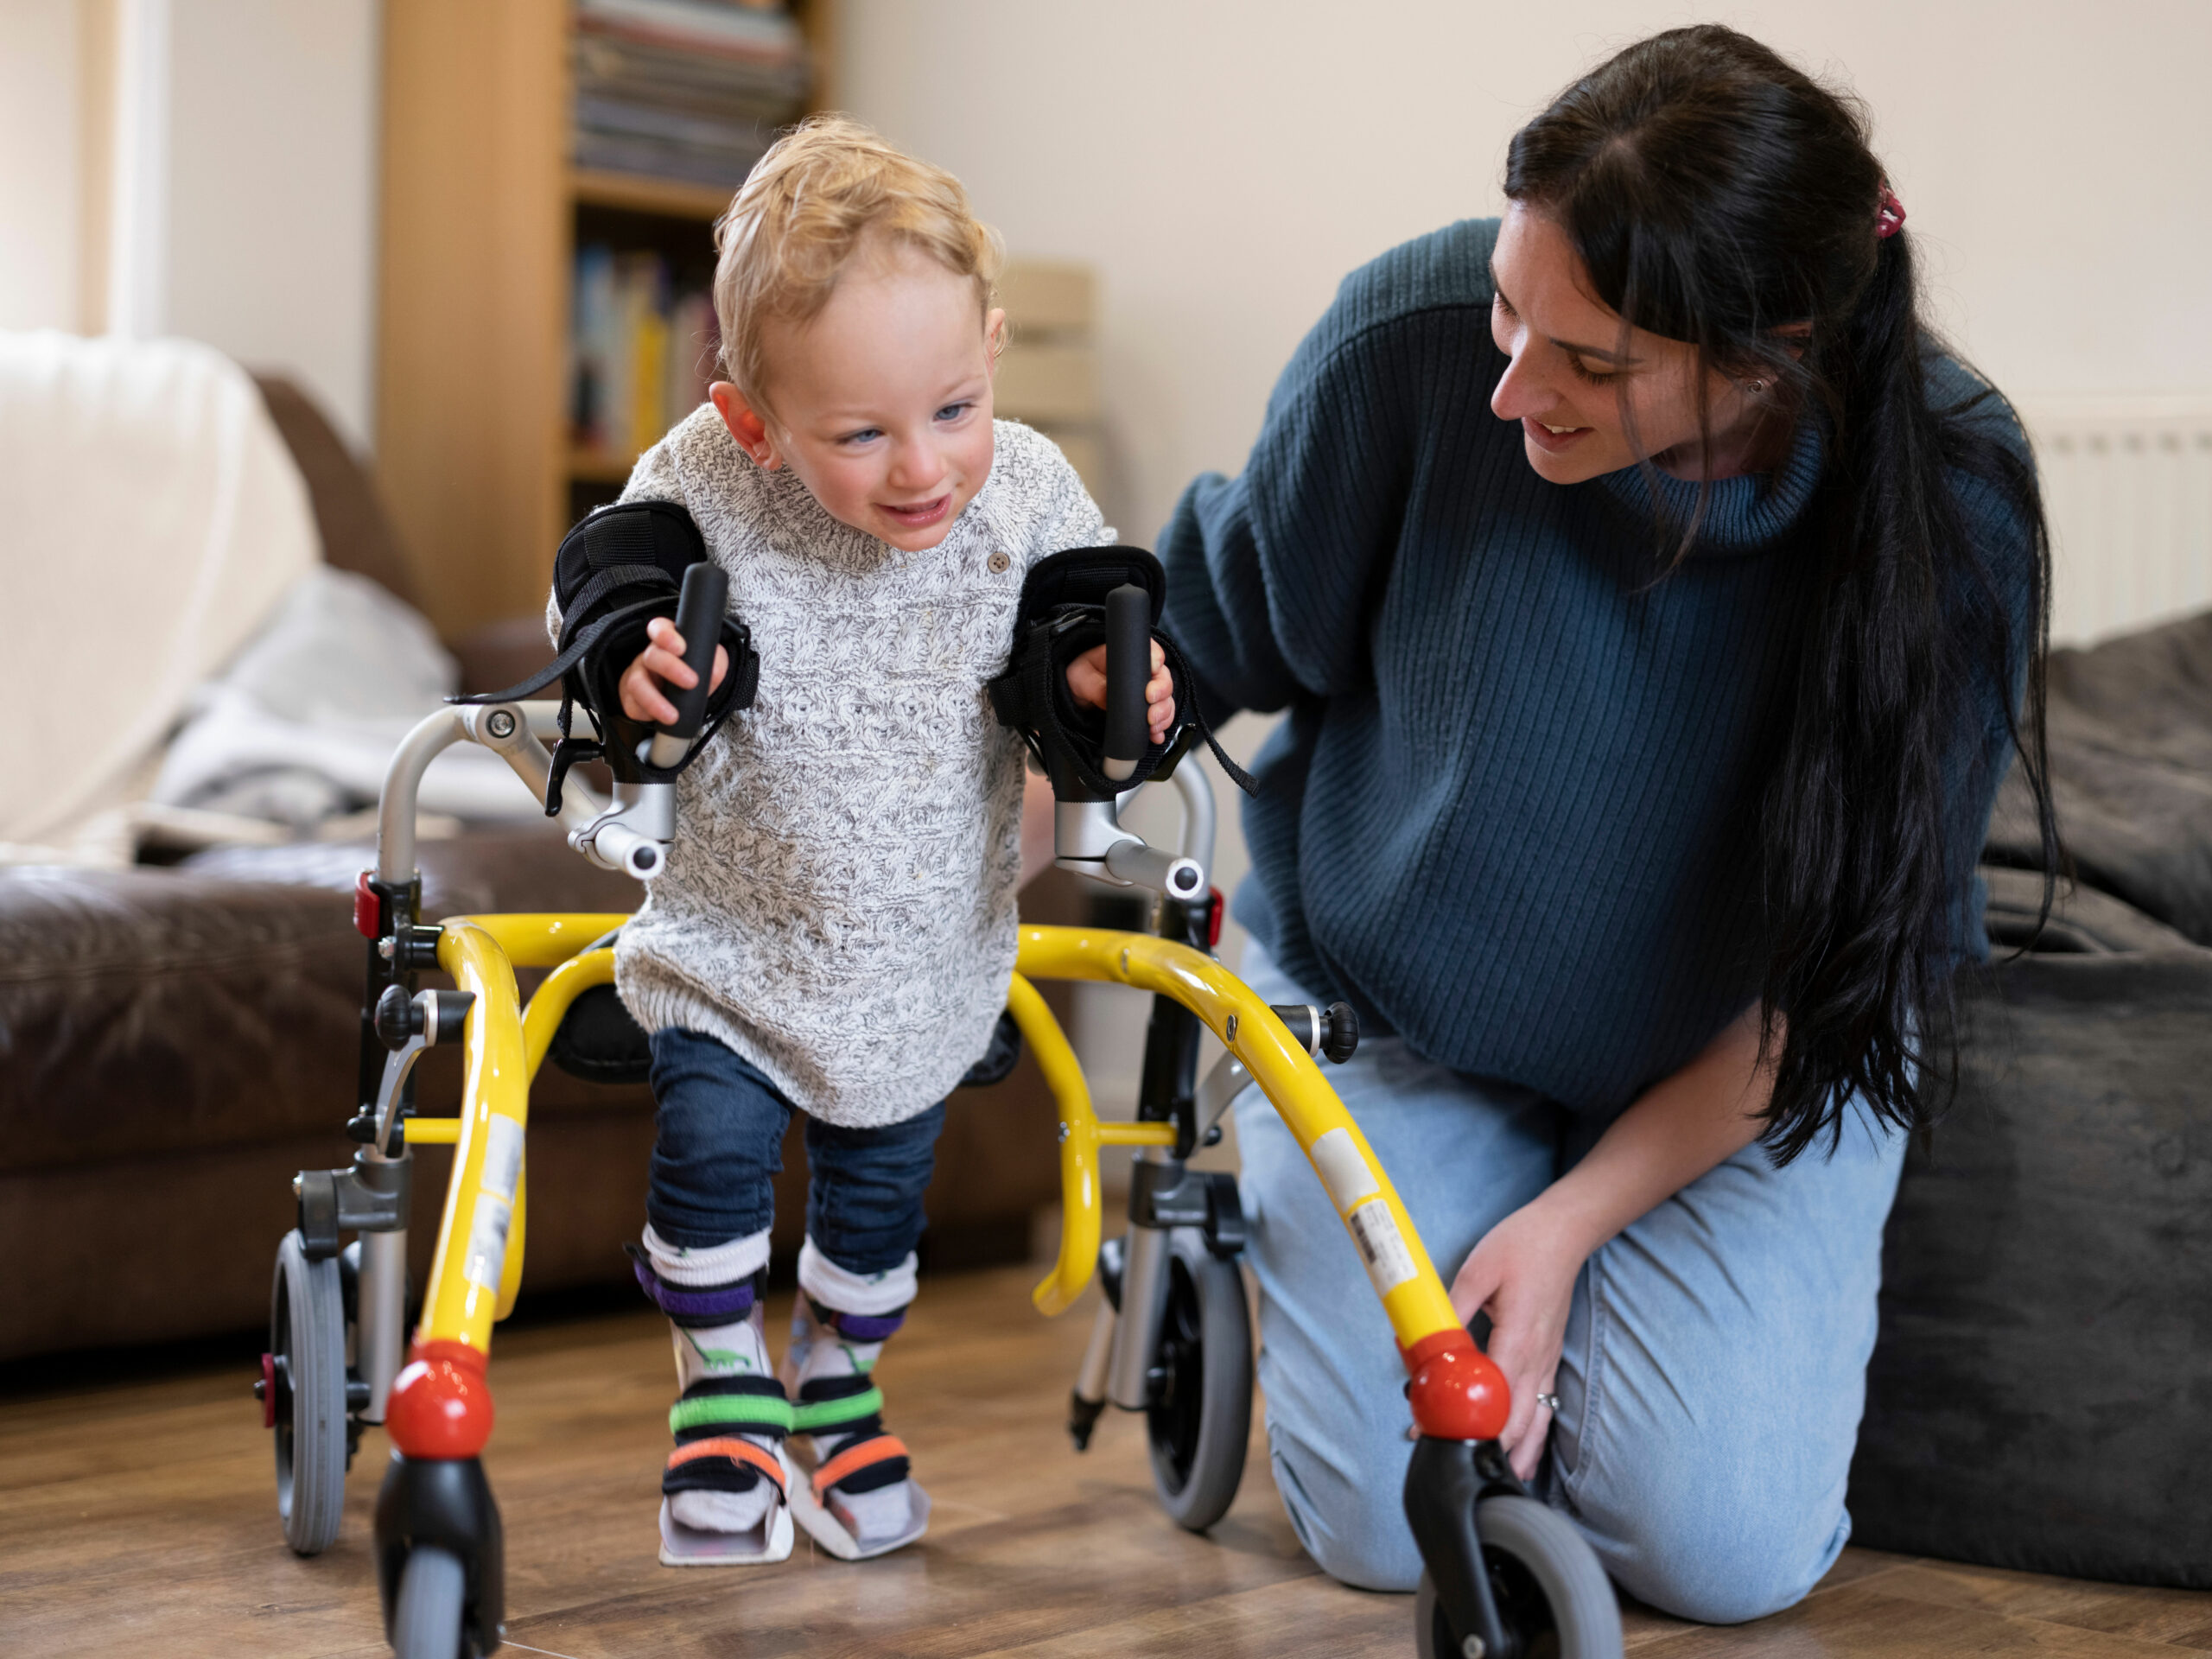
272	182
1223	165
38	164
255	228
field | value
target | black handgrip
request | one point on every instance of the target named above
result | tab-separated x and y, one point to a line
1128	666
1340	1032
699	619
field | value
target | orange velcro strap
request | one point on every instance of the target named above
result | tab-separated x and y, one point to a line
737	1451
854	1458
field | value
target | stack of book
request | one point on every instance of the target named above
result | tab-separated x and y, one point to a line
644	355
685	90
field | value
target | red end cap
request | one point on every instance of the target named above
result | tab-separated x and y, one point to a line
368	909
441	1405
1457	1393
1216	909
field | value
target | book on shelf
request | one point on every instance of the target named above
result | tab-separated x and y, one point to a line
641	356
687	90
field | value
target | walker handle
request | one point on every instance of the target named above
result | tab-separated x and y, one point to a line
698	618
1128	666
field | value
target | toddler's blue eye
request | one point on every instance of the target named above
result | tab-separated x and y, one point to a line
862	436
952	411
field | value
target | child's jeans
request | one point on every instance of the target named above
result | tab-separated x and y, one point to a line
720	1147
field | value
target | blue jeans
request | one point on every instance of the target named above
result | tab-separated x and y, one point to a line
718	1148
1715	1360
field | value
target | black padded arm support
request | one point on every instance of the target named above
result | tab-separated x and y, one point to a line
1062	615
618	568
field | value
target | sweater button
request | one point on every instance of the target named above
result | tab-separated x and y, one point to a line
998	562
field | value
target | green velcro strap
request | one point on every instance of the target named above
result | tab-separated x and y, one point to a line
738	1410
828	1414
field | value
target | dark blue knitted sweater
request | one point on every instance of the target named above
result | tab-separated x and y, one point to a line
1511	814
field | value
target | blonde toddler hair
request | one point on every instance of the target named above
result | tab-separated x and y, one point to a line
810	203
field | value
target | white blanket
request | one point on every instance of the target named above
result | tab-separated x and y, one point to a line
300	727
150	519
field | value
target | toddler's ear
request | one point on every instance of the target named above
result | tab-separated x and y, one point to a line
744	424
994	336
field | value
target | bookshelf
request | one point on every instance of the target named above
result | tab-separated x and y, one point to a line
483	208
484	212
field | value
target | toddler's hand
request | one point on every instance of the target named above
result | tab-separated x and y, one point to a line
1087	685
663	660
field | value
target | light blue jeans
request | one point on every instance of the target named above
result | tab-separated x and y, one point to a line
1715	1360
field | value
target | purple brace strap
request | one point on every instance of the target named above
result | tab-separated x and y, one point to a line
859	1327
724	1302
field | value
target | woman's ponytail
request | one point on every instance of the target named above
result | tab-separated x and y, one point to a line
1777	252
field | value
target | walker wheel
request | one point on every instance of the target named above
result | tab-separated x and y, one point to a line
1549	1589
1199	1415
426	1620
304	1389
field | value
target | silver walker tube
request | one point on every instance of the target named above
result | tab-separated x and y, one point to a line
1144	1297
380	1335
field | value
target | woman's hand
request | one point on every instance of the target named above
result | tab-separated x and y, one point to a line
1523	1275
642	698
1087	685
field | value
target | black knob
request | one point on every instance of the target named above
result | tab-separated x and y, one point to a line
396	1018
1339	1033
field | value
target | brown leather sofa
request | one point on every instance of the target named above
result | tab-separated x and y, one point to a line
175	1043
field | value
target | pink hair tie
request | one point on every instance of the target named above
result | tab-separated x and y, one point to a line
1889	220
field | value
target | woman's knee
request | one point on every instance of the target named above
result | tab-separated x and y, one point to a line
1712	1548
1355	1530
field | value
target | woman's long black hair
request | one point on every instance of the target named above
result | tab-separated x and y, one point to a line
1719	196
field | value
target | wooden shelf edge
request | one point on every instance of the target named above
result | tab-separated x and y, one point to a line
643	195
595	466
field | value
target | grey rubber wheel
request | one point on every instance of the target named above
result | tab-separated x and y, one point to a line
1200	1416
1547	1582
426	1622
307	1340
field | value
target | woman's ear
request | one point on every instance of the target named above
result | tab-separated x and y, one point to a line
746	424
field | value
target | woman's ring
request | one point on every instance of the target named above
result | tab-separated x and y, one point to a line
1550	1401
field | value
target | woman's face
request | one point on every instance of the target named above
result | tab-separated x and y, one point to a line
1571	372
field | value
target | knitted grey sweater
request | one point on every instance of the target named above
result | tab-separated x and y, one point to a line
839	905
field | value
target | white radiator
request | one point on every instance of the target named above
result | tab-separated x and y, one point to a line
2127	486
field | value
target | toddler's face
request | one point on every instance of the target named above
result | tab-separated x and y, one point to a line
883	401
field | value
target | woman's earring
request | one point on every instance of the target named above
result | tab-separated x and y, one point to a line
1758	388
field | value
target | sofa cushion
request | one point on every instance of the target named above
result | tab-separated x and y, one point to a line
2130	767
218	1004
2040	1397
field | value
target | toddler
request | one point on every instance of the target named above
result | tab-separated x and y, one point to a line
834	927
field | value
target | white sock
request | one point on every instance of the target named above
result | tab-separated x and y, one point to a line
818	1352
738	1348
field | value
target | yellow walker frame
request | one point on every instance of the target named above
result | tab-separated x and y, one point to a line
438	1409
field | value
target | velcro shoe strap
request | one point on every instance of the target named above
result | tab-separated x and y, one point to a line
854	1458
814	1415
736	1451
754	1411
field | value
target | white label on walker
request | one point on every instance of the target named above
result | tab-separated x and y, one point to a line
1342	1171
502	1157
487	1241
1390	1263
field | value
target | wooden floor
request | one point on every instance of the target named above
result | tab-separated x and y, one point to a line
140	1519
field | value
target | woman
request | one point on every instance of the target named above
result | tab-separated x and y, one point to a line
1651	598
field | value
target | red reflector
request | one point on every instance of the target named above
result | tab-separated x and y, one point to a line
368	908
1215	910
